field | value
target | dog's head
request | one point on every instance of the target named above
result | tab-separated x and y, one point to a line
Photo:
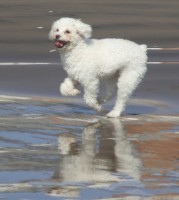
68	32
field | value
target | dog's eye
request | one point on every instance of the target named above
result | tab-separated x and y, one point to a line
67	31
57	29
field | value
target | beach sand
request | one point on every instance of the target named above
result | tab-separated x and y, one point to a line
53	147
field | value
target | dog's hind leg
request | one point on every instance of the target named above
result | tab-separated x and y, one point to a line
109	87
129	79
91	91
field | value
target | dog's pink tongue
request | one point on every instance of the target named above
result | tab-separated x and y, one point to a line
58	44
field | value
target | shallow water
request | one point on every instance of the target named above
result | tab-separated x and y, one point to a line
57	148
50	151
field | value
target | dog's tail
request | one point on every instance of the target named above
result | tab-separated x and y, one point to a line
144	47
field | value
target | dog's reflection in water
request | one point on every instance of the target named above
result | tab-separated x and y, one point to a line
103	157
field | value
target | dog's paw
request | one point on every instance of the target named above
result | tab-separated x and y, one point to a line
66	91
93	103
73	92
113	114
98	107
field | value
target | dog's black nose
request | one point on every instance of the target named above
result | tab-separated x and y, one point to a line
57	36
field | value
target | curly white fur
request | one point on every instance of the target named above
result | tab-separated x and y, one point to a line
87	61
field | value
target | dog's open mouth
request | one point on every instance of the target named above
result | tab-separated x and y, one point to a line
60	43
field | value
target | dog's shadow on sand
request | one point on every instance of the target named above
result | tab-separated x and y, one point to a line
103	157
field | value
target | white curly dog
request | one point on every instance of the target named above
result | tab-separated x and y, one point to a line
88	61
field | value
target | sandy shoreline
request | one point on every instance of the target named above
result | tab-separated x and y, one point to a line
160	83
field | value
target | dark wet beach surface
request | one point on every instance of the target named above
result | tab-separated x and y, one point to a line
58	148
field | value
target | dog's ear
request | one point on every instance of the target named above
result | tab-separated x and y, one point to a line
84	30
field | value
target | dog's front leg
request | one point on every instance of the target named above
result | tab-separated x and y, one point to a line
67	88
91	90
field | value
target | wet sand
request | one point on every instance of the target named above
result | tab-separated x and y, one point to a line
58	148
